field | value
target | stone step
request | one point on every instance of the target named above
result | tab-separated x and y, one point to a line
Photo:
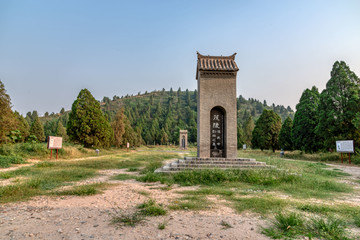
194	163
215	166
220	159
219	163
179	169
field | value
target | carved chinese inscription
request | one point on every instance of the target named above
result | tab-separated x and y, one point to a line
217	146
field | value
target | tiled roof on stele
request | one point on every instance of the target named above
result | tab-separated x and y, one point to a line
216	63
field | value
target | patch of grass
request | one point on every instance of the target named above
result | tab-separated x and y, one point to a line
162	225
151	208
7	161
151	167
123	176
144	193
167	188
5	175
133	169
83	190
261	205
148	208
292	225
356	220
189	203
17	192
285	225
40	181
217	176
225	224
127	219
330	228
312	208
216	190
154	177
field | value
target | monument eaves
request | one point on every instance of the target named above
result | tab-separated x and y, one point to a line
216	64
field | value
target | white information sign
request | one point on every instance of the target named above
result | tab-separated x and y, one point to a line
346	146
54	142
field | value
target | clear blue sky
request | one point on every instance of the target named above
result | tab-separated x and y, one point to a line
50	50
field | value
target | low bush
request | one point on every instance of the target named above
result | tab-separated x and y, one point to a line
6	161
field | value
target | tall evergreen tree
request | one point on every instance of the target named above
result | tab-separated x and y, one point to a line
7	119
266	131
285	141
37	129
87	124
339	104
305	121
118	126
61	131
23	126
248	130
164	137
240	137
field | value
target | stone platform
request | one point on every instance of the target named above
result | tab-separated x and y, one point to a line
195	163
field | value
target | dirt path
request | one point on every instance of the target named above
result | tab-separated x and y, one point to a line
74	217
89	217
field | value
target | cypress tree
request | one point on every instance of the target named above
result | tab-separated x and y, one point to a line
61	131
285	141
118	127
248	129
164	137
23	126
37	129
266	131
87	124
339	104
305	121
7	119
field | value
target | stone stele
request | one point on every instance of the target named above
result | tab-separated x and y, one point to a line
216	106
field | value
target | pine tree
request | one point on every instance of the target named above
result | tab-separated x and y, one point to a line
7	119
285	141
305	121
37	129
247	130
164	137
266	131
240	137
87	124
118	127
339	104
61	132
23	126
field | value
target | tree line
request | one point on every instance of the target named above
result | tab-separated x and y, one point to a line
320	118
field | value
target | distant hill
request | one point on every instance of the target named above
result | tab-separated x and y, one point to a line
159	115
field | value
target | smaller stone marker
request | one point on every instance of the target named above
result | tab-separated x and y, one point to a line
97	151
183	139
127	146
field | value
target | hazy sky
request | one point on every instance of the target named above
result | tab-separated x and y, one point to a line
50	50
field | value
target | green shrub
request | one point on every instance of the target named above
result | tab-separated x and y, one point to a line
6	161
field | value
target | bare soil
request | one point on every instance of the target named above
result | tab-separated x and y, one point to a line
79	217
74	217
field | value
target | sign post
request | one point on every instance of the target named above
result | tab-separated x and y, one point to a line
54	143
346	146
